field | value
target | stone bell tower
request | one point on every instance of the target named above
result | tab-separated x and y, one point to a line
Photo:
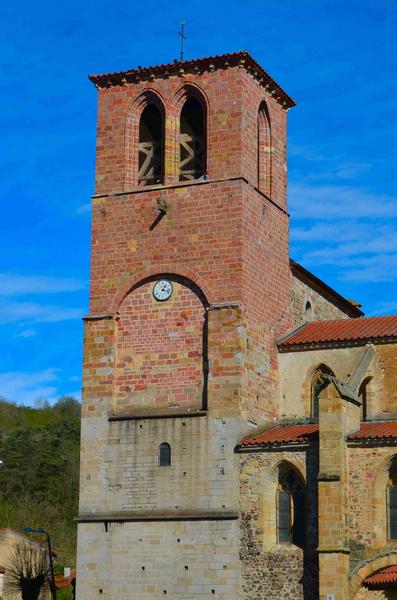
190	285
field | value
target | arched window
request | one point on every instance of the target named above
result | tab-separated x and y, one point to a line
308	311
192	141
264	151
290	507
151	146
164	455
392	500
318	383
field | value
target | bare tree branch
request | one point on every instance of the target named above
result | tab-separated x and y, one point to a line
27	571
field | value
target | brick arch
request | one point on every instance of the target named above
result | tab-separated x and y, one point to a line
131	131
161	348
367	568
188	90
265	154
203	290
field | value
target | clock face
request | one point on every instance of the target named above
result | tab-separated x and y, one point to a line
162	290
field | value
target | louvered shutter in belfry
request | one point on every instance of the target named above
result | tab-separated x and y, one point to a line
393	512
284	516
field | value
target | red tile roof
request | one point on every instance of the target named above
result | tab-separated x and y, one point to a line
233	59
293	434
376	431
342	330
383	577
282	434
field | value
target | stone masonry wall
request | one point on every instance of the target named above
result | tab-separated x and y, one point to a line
122	474
322	308
368	529
271	570
157	560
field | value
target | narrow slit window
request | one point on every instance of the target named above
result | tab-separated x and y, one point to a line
165	455
192	141
151	147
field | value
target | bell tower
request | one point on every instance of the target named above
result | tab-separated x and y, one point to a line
190	286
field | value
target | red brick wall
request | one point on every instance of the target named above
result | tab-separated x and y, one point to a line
222	233
159	360
232	99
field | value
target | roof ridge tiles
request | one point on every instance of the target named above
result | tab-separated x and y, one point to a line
240	58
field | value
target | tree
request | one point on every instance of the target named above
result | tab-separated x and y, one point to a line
27	571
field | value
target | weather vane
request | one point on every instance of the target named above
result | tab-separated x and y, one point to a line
183	38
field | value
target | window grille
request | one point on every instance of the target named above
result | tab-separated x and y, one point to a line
150	148
192	141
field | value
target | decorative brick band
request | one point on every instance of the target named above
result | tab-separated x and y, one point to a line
179	184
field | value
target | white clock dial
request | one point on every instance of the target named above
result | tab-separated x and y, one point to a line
162	290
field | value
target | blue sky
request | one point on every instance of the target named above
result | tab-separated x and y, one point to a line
336	58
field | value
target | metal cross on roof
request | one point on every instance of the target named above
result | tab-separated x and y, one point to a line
183	38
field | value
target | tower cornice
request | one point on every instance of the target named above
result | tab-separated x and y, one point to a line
180	68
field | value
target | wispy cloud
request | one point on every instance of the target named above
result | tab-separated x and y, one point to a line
18	285
26	333
31	312
337	202
350	229
26	387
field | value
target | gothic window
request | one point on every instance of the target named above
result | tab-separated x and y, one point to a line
192	141
290	507
151	146
164	455
264	151
392	500
318	383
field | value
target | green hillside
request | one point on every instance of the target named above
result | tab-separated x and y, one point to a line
39	478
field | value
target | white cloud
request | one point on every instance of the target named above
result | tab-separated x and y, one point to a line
26	333
31	312
349	229
17	285
329	202
27	388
